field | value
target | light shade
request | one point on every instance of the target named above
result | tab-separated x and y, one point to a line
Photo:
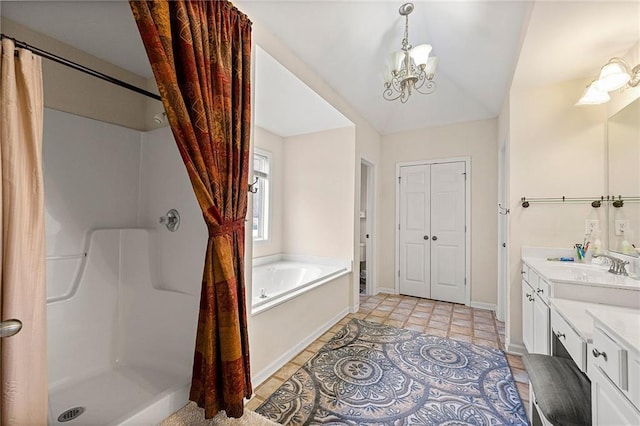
420	54
432	63
613	76
395	61
593	95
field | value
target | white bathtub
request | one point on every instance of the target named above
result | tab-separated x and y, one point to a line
279	278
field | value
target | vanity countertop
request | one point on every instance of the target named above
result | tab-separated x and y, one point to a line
580	315
580	273
624	324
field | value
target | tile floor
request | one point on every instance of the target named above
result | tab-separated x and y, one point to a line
443	319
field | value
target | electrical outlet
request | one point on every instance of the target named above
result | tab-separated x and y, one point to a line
622	226
591	226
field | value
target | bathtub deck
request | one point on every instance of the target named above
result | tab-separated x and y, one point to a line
115	395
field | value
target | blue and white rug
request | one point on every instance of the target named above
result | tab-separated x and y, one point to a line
374	374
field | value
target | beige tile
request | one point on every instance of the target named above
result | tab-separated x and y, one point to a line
458	329
402	311
359	315
520	375
287	371
438	325
267	388
515	361
460	337
427	303
436	332
253	403
420	308
336	328
378	320
302	358
417	320
485	327
482	320
461	322
486	343
523	390
485	335
315	346
483	313
393	323
440	318
420	314
326	336
398	317
415	327
385	308
378	313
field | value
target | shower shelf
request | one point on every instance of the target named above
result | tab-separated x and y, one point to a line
67	256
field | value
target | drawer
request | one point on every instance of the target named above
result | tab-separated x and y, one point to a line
613	358
544	290
634	382
572	342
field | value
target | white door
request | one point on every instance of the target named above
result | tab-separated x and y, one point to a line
448	266
414	235
432	240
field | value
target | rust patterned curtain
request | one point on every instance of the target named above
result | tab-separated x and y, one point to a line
200	53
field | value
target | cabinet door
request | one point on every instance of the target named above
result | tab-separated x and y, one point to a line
527	316
541	327
608	405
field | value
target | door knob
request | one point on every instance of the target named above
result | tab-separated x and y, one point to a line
426	237
10	327
434	238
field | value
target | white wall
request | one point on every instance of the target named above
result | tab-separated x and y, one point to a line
91	172
274	144
165	185
318	203
556	149
477	139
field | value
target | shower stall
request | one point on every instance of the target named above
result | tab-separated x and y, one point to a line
121	320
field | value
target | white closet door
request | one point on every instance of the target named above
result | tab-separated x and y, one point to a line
414	221
448	266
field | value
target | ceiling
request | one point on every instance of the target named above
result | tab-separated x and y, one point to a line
346	42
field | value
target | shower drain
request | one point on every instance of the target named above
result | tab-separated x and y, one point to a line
70	414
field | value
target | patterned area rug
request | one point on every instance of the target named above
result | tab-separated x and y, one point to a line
375	374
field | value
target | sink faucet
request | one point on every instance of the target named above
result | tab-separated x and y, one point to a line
617	265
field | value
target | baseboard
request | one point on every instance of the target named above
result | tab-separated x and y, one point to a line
354	309
266	372
481	305
385	290
516	349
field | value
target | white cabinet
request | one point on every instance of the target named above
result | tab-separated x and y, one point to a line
608	404
535	313
541	337
527	315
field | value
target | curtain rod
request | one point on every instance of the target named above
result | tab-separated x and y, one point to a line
79	67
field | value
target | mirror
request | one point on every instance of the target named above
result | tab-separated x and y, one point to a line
623	145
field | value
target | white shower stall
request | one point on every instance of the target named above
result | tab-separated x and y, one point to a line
122	299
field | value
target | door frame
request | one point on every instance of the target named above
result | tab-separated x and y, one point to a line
503	233
467	218
370	246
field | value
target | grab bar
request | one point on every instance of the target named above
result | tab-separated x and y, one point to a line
67	256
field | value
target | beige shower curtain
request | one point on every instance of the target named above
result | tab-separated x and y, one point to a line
23	357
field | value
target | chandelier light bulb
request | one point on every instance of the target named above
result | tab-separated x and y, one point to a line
613	76
593	95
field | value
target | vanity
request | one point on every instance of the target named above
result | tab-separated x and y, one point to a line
584	312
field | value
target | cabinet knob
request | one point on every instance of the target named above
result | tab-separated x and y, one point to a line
539	290
522	272
434	238
528	295
561	335
596	353
426	237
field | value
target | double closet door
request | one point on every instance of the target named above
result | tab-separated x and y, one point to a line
432	225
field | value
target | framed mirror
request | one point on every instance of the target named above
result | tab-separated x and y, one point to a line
623	164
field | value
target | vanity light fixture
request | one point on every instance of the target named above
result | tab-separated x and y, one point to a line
615	74
410	68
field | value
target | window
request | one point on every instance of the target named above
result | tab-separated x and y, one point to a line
261	160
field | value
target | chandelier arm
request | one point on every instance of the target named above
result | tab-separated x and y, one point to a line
635	76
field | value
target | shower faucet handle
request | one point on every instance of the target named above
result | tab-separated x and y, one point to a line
171	220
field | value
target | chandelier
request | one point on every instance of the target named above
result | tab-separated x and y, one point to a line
410	68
